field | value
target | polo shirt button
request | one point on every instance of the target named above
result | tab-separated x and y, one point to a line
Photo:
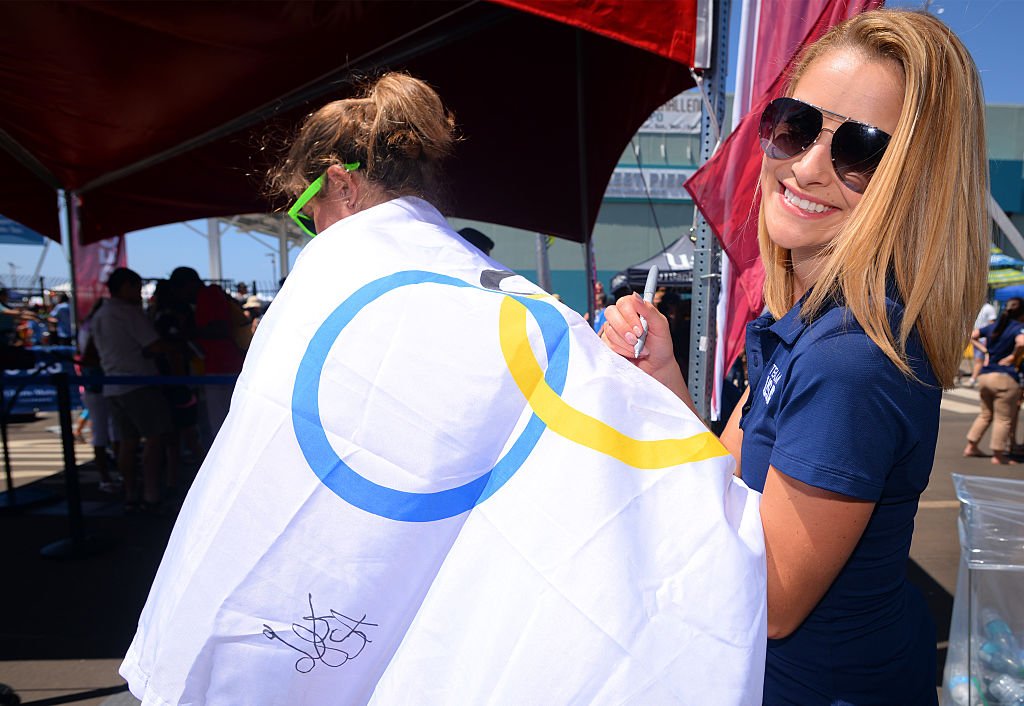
756	359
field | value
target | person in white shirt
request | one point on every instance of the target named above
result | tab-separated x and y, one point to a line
127	341
986	316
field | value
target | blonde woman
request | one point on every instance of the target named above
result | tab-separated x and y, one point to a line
874	239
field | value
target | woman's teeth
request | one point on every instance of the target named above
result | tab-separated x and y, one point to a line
804	204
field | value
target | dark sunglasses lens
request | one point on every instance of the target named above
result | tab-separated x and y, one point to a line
307	222
788	127
857	150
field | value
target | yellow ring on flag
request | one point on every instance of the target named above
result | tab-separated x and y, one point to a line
574	425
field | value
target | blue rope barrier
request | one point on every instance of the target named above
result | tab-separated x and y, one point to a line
133	379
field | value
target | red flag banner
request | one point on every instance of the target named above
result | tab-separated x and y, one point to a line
93	264
725	188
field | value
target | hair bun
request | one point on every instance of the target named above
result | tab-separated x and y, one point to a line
397	128
410	121
406	143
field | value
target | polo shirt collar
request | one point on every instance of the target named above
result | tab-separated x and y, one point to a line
790	326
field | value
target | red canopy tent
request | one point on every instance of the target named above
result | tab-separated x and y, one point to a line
160	112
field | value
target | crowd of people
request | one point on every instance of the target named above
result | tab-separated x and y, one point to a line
187	328
33	322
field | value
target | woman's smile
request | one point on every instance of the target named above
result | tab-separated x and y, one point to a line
804	205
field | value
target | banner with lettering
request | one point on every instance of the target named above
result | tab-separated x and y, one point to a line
93	264
437	486
648	183
681	114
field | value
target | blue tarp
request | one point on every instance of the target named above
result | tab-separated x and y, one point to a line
1014	290
13	233
1000	260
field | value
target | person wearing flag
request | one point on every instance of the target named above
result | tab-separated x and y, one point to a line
874	238
429	488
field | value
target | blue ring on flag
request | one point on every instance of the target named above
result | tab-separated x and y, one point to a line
389	502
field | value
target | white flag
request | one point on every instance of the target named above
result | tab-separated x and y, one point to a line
437	486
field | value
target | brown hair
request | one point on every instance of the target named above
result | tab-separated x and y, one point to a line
396	128
923	220
1014	311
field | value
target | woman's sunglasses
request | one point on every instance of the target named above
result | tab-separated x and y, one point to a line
304	222
789	126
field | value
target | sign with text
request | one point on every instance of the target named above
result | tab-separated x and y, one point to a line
660	183
28	391
679	115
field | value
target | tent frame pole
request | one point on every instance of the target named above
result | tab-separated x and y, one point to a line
581	143
543	262
71	237
707	251
282	252
213	234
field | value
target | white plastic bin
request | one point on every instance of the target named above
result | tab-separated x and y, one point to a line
985	661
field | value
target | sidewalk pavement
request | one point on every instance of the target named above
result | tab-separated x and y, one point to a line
67	623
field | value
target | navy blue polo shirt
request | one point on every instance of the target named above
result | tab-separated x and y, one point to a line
1000	346
827	407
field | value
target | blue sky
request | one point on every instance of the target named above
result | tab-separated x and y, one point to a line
991	29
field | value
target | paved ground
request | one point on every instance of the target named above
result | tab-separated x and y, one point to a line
67	622
35	451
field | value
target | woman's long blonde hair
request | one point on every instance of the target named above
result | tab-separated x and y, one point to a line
923	221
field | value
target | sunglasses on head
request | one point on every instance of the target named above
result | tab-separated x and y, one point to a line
304	222
790	126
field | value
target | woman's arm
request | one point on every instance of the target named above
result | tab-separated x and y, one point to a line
1017	355
976	341
809	535
620	332
732	435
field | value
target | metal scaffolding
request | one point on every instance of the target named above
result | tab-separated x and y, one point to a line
707	252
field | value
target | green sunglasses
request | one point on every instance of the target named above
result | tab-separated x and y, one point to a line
305	222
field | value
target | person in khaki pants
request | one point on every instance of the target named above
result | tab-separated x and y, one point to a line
998	386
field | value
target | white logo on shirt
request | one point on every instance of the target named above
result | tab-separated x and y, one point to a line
769	385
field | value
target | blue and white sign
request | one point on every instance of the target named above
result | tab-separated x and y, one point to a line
31	390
